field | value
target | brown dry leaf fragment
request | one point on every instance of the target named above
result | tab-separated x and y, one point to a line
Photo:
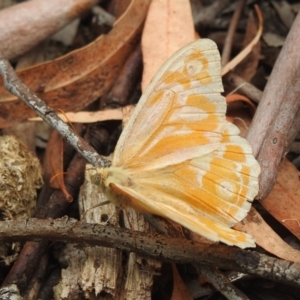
77	79
266	238
169	26
284	200
180	291
237	97
20	31
54	158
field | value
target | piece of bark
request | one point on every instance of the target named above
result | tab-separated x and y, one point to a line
17	22
94	277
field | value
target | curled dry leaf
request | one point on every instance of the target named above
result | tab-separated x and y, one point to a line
266	238
77	79
284	200
237	97
53	173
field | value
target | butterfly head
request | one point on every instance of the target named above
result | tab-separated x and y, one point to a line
105	176
109	179
96	179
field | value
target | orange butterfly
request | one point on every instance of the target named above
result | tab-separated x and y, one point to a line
179	158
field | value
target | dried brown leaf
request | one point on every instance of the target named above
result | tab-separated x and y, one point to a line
169	26
180	291
77	79
266	238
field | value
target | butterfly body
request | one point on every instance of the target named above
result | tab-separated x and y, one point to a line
111	176
179	158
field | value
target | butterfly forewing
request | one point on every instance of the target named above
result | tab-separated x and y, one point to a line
175	101
179	156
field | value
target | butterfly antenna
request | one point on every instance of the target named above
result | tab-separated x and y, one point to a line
124	209
82	220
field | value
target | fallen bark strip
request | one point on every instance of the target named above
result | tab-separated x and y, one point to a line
167	249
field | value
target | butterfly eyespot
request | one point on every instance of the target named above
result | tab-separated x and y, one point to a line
225	189
194	67
168	95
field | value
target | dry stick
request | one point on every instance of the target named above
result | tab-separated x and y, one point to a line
237	59
127	79
36	283
221	283
272	128
243	87
15	86
231	30
155	246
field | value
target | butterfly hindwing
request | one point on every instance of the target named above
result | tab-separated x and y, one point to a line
151	202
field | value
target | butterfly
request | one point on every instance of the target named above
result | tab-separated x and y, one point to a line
179	158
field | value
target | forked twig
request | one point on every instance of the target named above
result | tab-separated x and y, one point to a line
15	86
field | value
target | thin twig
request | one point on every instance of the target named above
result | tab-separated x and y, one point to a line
243	87
15	86
221	283
237	59
231	31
